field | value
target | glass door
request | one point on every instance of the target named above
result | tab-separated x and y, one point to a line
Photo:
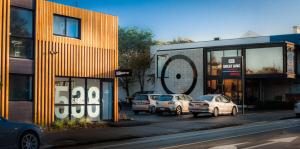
107	99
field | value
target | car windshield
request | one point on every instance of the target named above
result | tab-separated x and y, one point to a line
205	98
141	97
165	98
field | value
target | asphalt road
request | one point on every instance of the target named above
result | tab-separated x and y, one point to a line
276	134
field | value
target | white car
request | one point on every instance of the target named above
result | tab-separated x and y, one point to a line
215	104
178	103
297	109
144	103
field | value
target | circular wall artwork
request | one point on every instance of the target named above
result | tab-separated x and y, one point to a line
179	75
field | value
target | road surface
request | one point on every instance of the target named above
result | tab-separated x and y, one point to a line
262	135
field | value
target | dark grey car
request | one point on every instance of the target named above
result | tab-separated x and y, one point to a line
19	135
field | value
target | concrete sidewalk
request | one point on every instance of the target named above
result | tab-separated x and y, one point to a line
137	129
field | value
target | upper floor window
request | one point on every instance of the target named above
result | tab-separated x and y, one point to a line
21	33
66	26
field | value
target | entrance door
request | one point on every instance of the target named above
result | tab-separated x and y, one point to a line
253	89
233	89
107	100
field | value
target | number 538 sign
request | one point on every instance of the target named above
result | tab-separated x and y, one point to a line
77	102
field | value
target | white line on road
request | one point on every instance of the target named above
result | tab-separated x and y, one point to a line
194	143
281	140
229	146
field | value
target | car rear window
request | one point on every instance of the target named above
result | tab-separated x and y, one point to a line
141	97
206	98
165	98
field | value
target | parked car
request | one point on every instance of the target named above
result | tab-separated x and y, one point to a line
178	103
145	103
215	104
19	135
297	108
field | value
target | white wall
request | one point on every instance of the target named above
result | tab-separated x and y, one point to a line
181	67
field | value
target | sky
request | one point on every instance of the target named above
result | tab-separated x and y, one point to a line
200	20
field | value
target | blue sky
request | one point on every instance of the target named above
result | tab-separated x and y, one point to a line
200	20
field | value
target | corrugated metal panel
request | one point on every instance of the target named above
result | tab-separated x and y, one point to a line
94	55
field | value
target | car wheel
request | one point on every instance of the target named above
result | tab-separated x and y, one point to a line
152	110
29	140
195	114
136	112
216	112
234	111
178	110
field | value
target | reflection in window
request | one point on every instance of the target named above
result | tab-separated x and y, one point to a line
21	47
66	26
216	62
21	28
21	23
264	60
20	88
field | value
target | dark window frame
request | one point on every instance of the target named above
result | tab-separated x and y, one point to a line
65	32
24	37
31	88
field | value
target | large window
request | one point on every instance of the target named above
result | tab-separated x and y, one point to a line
20	87
264	60
21	28
214	60
77	98
66	26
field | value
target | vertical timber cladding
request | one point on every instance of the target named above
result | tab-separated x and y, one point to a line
4	55
94	55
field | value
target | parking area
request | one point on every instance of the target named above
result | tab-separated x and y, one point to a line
249	116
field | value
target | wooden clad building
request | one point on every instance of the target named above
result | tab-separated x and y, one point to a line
57	62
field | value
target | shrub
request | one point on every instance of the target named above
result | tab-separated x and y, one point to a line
59	124
71	123
84	122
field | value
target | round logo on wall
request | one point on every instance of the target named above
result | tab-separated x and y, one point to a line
179	75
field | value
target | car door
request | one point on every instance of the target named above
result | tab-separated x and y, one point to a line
185	103
8	134
226	104
219	104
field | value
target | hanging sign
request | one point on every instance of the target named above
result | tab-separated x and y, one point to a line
123	73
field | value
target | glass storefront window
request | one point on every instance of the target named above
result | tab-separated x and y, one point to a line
264	60
85	100
20	88
216	62
62	98
230	53
107	100
93	102
78	97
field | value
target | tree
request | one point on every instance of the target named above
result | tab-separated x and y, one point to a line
174	41
134	54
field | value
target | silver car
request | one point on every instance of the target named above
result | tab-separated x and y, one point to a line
144	103
19	135
173	103
215	104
